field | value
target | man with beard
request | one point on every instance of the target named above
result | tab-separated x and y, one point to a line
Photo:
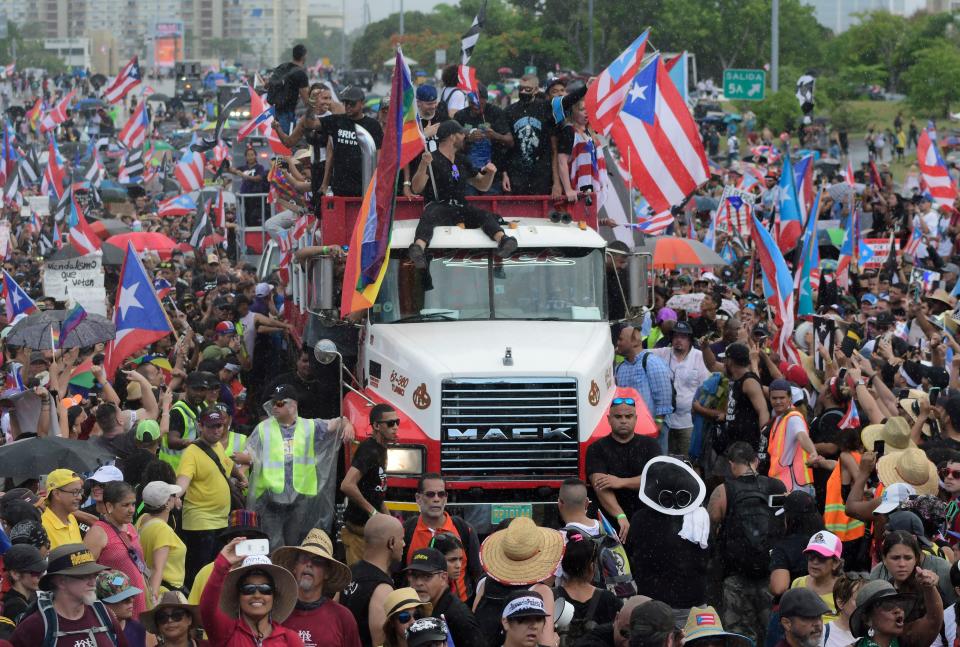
69	603
801	616
342	172
444	190
317	618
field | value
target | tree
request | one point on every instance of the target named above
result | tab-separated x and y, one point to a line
779	111
933	82
29	48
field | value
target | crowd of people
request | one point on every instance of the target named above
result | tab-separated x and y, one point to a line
798	502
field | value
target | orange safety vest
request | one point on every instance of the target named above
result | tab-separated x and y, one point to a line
834	517
796	473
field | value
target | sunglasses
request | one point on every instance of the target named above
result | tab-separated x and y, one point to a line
629	401
173	616
954	474
390	423
429	494
250	589
280	403
405	616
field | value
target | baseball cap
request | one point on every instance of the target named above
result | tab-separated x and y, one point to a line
114	586
147	431
60	478
352	93
18	494
528	604
666	314
226	328
683	328
213	259
213	416
24	558
650	618
262	289
802	602
797	375
825	543
426	631
884	318
157	493
869	298
426	93
284	392
103	475
907	521
428	560
893	496
448	128
201	380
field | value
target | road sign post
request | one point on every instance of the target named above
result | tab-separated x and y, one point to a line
744	85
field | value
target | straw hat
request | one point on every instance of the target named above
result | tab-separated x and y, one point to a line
403	600
284	587
704	622
895	432
316	544
909	466
170	600
806	361
522	554
942	296
911	408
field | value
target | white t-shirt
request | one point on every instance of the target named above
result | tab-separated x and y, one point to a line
687	376
931	219
949	628
456	100
834	636
795	425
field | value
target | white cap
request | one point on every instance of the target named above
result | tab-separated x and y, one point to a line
709	276
262	289
157	493
256	560
107	474
893	496
825	543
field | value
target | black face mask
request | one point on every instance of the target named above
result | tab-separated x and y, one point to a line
526	97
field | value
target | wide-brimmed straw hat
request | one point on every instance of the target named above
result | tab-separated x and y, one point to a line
170	600
404	599
911	408
868	596
704	622
284	587
522	554
895	432
909	466
316	544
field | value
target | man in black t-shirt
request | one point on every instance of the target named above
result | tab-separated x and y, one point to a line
294	89
615	462
489	137
530	162
442	179
365	484
344	169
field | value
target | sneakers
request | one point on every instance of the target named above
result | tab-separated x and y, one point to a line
418	256
506	246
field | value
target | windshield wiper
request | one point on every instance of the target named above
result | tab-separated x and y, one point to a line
426	316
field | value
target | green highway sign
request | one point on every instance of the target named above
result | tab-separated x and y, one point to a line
744	85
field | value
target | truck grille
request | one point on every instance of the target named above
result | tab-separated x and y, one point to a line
521	430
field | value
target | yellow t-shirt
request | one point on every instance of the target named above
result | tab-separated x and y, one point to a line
206	503
801	582
58	532
199	582
156	534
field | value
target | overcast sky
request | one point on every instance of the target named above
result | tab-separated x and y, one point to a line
380	9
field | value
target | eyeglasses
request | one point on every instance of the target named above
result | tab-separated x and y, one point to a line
629	401
73	493
954	474
390	423
405	616
250	589
430	494
173	616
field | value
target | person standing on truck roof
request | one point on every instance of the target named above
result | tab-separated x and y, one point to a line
615	462
287	86
343	170
365	484
444	190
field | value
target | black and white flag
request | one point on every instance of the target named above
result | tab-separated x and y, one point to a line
472	35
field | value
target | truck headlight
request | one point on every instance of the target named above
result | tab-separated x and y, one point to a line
405	461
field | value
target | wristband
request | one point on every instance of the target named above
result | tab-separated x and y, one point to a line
621	516
373	512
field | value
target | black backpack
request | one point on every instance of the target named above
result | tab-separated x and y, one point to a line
277	91
748	527
443	112
490	609
581	626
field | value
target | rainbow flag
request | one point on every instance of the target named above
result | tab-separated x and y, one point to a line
34	114
74	317
411	139
369	251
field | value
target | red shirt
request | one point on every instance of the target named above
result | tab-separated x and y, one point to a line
331	625
29	633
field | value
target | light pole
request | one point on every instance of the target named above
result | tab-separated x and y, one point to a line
775	45
590	40
401	17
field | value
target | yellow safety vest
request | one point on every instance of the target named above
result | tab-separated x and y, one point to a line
236	442
269	472
190	432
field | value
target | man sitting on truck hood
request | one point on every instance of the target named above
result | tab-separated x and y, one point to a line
442	180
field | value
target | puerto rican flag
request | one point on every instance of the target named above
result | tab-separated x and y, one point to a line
778	283
588	168
606	95
803	180
54	173
467	78
219	209
189	171
850	419
915	239
650	223
16	300
933	171
162	287
849	177
134	132
58	115
655	129
181	205
128	78
262	120
82	237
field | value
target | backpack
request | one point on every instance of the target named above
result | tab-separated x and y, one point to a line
51	624
748	528
578	627
443	113
612	564
277	92
490	609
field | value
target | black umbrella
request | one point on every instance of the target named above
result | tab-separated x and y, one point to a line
16	112
113	226
33	457
34	331
158	97
98	81
112	255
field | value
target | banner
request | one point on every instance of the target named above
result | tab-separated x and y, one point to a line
38	203
78	278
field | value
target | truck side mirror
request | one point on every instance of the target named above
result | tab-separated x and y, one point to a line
638	266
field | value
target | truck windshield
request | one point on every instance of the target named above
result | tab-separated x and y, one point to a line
555	283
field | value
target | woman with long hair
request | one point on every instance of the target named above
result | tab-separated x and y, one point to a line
114	541
590	604
452	549
173	622
402	608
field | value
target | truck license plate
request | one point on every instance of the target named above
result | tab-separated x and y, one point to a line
500	512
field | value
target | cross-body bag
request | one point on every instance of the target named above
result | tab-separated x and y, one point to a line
236	496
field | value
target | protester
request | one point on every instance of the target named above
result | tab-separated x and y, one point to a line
24	566
164	551
115	590
64	492
173	621
427	575
401	609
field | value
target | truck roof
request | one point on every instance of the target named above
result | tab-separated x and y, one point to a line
529	232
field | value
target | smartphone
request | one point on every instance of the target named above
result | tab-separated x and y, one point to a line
879	446
934	395
842	376
253	547
776	500
97	359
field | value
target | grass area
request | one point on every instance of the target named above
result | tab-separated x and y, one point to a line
880	114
